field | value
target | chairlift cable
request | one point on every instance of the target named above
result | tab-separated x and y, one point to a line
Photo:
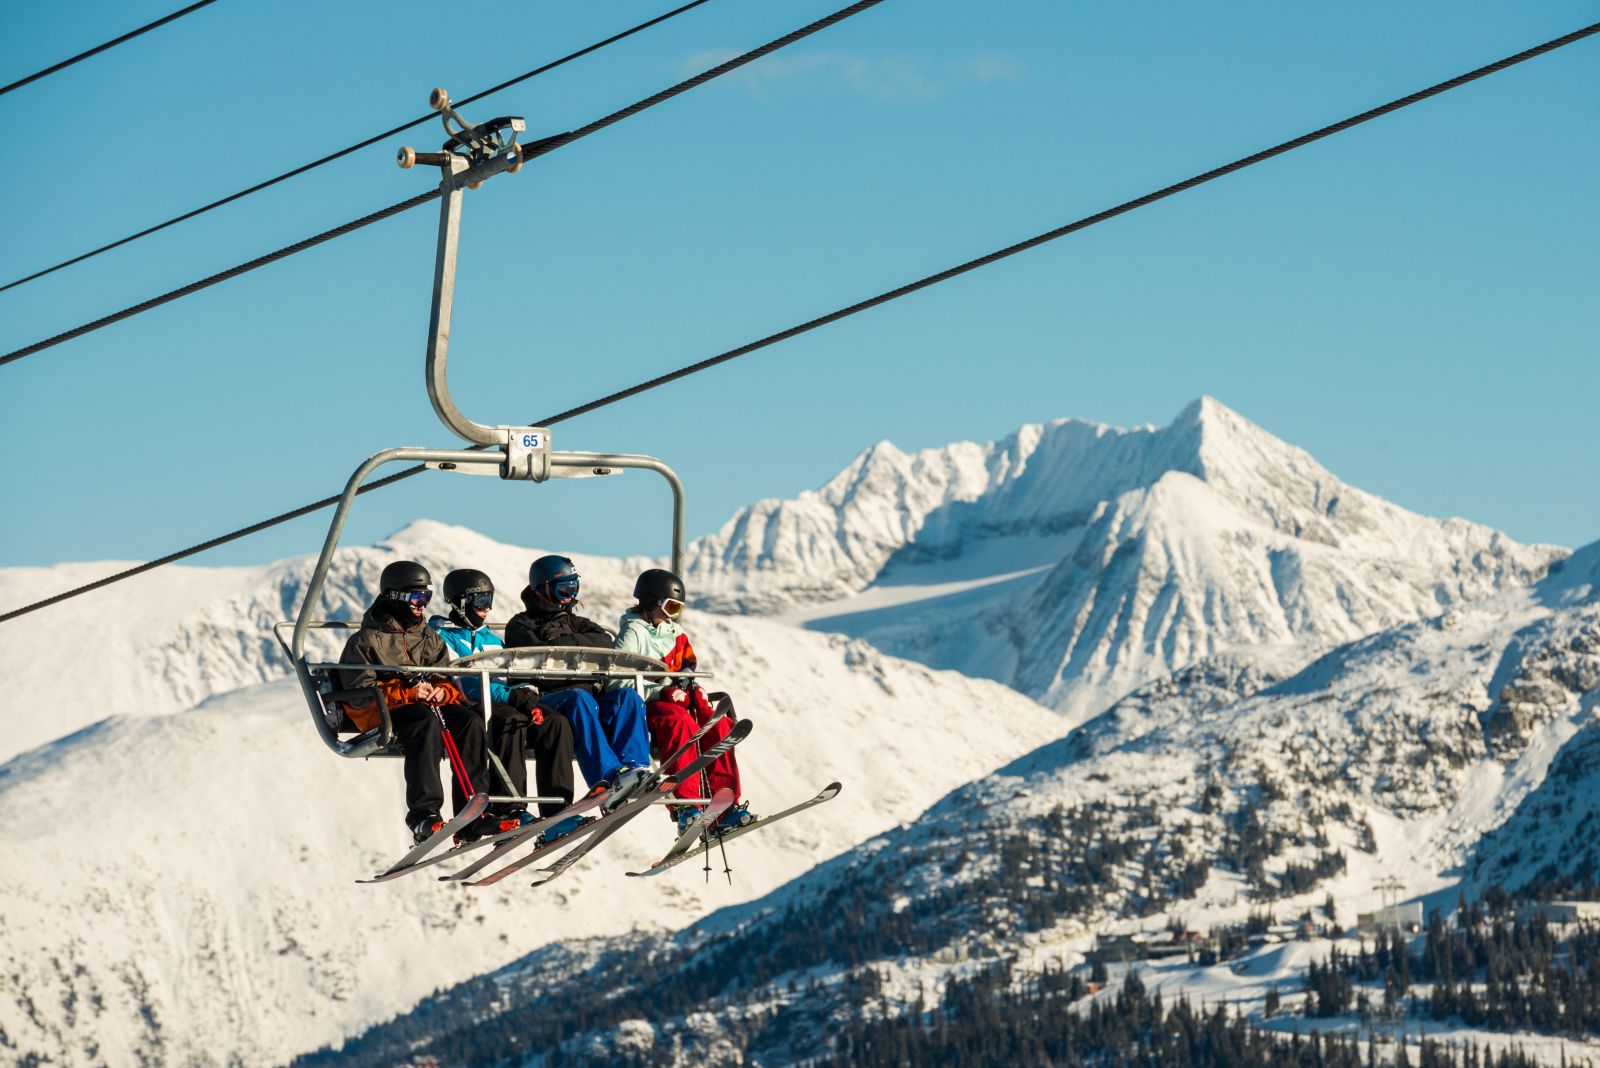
537	148
97	49
772	339
286	175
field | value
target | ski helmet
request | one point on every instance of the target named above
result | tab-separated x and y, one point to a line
554	578
659	585
404	575
464	589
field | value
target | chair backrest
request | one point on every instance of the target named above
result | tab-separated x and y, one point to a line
333	713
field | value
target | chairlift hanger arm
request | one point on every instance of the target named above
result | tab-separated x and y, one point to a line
470	156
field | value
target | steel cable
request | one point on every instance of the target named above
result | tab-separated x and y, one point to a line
97	49
286	175
538	148
882	298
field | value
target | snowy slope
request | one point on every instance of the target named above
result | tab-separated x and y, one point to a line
1246	782
1076	561
178	888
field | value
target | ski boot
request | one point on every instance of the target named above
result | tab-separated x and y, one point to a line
481	827
733	818
684	816
510	821
424	828
624	784
560	830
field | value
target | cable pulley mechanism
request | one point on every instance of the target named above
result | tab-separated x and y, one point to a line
485	149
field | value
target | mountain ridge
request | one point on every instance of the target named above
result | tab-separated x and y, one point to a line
1247	784
1062	540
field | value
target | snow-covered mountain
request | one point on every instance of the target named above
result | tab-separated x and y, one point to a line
1076	561
1071	561
178	885
1429	750
1294	668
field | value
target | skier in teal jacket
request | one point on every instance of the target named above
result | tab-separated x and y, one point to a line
517	721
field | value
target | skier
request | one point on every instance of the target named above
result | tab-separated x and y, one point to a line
516	720
608	734
674	712
393	633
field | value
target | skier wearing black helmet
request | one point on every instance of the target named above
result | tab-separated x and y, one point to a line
394	633
517	723
608	731
672	712
548	618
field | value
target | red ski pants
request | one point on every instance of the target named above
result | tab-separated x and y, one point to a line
671	725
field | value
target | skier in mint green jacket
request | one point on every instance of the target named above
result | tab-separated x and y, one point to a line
673	712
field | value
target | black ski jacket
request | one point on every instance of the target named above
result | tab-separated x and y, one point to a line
546	624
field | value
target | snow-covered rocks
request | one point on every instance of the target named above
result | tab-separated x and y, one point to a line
1076	561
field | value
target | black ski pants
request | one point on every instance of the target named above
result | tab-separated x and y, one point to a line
418	731
512	733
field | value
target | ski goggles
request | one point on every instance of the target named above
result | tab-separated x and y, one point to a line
478	602
672	609
564	591
414	598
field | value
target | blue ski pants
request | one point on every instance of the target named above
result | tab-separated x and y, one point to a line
606	734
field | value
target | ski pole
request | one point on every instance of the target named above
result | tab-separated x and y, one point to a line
458	767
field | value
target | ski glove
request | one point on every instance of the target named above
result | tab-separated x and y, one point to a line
526	699
676	695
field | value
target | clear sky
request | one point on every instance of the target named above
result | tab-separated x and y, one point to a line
1412	302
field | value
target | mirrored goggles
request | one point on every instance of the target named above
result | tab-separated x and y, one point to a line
565	590
415	598
672	609
478	602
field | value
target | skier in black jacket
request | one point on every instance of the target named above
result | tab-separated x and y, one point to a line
549	597
393	633
608	728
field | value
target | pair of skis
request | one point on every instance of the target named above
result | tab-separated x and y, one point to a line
418	857
685	848
659	790
697	838
503	842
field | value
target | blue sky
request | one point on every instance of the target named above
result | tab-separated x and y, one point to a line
1411	302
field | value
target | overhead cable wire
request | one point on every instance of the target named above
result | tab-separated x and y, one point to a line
359	145
97	49
538	148
872	302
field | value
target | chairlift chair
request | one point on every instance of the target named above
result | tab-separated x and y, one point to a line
470	156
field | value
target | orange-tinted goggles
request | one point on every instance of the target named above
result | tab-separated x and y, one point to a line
672	609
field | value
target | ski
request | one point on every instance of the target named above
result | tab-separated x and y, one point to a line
539	850
469	812
505	843
637	805
497	840
828	793
717	716
613	821
721	801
